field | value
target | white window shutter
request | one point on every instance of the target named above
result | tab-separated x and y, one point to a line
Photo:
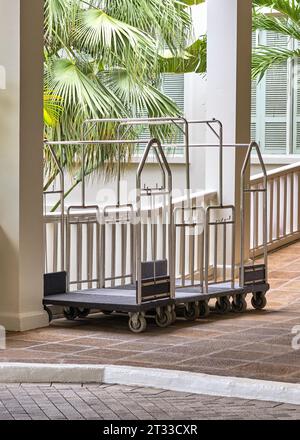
173	86
253	98
269	101
276	89
296	106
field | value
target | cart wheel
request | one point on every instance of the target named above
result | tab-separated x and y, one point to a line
83	313
137	323
239	305
70	313
223	305
163	317
191	311
259	301
50	314
203	309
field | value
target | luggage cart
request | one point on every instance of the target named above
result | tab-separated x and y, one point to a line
216	235
153	283
216	231
219	235
55	281
254	277
216	225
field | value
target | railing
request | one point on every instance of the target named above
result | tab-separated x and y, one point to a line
86	253
283	208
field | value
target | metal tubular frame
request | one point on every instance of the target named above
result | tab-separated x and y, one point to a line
117	210
166	296
156	145
216	225
162	161
129	122
83	143
246	190
191	224
61	191
177	121
166	191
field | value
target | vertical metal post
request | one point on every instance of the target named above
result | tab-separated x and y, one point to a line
62	204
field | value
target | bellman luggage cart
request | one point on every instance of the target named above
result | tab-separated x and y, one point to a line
211	233
216	232
152	288
56	280
254	277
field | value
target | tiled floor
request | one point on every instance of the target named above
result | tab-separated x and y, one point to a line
256	344
113	402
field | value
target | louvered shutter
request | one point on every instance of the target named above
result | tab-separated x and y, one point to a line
269	101
296	109
173	86
276	97
253	99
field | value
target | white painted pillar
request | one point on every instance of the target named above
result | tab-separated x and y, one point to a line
229	27
21	165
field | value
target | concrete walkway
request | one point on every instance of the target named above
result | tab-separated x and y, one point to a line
256	344
113	402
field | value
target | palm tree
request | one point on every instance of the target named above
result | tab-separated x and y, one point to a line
104	58
285	22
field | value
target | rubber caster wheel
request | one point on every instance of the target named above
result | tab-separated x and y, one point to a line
239	305
203	309
49	312
164	318
191	312
223	305
70	313
83	313
259	301
137	323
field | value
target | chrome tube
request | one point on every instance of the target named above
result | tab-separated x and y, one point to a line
244	190
155	144
61	191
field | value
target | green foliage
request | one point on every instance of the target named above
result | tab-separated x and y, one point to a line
104	58
286	22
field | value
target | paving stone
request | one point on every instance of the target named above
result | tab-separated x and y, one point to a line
255	344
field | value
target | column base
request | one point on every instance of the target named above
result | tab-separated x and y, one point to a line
20	322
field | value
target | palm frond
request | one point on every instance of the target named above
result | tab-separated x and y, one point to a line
264	57
53	108
114	42
277	24
192	60
192	2
103	58
289	8
58	16
168	21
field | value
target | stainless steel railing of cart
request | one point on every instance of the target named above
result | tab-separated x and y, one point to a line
79	221
207	248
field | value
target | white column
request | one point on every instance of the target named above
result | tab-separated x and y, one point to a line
229	26
21	165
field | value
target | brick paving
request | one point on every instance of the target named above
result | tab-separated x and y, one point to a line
256	344
115	402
